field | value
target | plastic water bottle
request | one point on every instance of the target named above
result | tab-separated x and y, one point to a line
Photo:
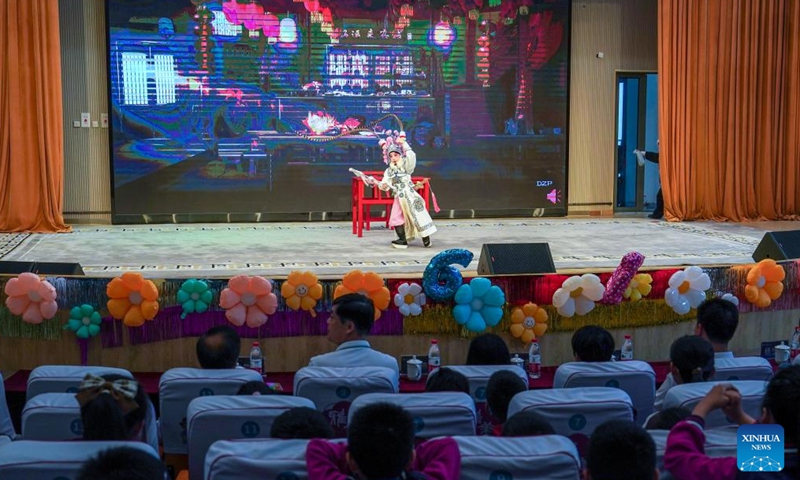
794	344
535	360
626	353
434	356
256	358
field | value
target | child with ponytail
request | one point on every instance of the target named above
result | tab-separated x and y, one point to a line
113	407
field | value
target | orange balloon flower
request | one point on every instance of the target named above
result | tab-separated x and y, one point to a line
132	299
31	297
302	290
764	283
248	300
528	322
369	284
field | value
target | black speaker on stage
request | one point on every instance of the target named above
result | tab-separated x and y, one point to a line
778	246
515	259
41	268
15	268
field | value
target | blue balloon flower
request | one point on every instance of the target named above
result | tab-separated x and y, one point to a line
479	304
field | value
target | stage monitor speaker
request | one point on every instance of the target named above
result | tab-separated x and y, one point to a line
15	268
56	268
778	246
515	259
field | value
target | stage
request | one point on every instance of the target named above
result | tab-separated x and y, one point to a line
329	249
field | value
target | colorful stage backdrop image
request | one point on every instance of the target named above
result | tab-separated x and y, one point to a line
247	106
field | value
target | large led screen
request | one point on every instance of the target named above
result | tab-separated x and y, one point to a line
262	106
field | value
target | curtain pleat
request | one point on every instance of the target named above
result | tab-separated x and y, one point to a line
31	125
729	102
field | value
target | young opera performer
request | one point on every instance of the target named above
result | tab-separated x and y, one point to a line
409	216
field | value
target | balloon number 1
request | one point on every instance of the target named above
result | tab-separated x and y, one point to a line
441	279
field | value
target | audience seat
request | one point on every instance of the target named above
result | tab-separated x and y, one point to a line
436	414
720	442
575	412
38	460
57	416
333	389
64	378
634	377
232	417
6	425
179	386
478	377
52	416
67	378
553	457
689	394
258	458
742	368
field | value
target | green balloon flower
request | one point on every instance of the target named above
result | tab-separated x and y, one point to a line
194	296
84	321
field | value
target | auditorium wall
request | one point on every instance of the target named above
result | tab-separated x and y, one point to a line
624	30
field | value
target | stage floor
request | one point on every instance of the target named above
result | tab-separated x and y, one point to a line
329	249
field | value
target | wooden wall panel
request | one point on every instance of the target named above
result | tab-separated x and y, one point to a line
625	31
290	354
87	192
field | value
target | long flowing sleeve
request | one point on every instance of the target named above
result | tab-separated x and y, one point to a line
410	161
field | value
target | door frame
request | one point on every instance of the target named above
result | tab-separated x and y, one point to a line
641	129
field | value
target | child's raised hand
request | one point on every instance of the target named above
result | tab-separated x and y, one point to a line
733	410
714	399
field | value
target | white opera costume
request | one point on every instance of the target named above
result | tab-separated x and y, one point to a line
408	209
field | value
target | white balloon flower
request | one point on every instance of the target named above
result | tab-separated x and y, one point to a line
687	289
409	299
578	294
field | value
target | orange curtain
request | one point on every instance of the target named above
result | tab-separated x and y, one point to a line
31	126
729	108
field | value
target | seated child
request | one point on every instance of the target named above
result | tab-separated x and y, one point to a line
691	361
500	389
301	422
620	450
527	424
380	446
685	456
447	380
113	407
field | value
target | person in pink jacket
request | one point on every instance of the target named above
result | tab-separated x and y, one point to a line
380	445
685	457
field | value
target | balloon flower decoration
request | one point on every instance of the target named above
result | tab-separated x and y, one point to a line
622	277
478	304
578	295
409	299
640	286
764	283
302	290
84	321
194	296
687	289
31	297
369	284
248	300
132	299
528	322
441	280
731	298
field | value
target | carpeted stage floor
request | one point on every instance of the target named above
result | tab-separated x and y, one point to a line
330	249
